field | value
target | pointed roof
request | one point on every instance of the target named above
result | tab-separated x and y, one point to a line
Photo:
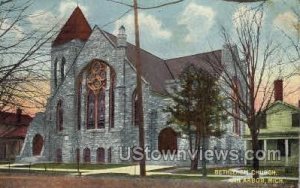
76	27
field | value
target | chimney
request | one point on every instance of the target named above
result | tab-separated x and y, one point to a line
278	90
122	37
19	114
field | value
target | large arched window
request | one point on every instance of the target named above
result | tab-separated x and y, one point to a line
59	116
58	155
37	145
87	155
55	72
100	155
135	115
167	140
62	68
96	84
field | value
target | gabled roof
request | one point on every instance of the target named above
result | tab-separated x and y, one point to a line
201	60
13	125
76	27
9	118
15	132
284	104
156	70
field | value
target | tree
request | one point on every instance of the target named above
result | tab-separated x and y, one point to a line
22	57
198	108
246	72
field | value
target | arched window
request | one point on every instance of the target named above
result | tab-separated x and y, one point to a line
37	145
100	155
167	140
58	155
62	68
135	115
87	155
96	85
59	116
55	72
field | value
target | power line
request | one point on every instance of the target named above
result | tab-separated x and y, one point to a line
117	19
145	8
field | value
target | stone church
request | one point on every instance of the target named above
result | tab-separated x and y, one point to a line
91	112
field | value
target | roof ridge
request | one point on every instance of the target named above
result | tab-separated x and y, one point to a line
185	56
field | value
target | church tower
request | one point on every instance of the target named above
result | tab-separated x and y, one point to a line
67	45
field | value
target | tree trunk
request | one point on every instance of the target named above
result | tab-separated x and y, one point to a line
204	148
195	161
255	147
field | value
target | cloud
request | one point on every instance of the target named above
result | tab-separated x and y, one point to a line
66	7
44	20
198	20
37	20
245	14
286	22
149	25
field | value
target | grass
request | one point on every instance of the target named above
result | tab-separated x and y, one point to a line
74	166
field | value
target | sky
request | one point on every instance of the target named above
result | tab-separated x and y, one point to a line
186	28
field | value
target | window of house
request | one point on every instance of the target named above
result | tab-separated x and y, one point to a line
281	147
62	69
296	120
96	86
87	155
55	72
135	115
100	155
59	116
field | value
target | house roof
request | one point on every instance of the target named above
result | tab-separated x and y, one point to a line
15	132
76	27
285	104
9	118
156	70
13	125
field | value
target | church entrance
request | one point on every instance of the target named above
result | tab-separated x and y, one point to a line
167	140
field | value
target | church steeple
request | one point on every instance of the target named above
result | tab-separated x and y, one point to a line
76	27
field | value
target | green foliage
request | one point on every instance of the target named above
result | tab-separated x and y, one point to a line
197	103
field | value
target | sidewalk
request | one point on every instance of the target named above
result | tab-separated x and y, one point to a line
134	170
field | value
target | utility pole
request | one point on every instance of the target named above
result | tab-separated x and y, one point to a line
139	90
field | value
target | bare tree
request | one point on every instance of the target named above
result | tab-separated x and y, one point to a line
247	72
23	54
